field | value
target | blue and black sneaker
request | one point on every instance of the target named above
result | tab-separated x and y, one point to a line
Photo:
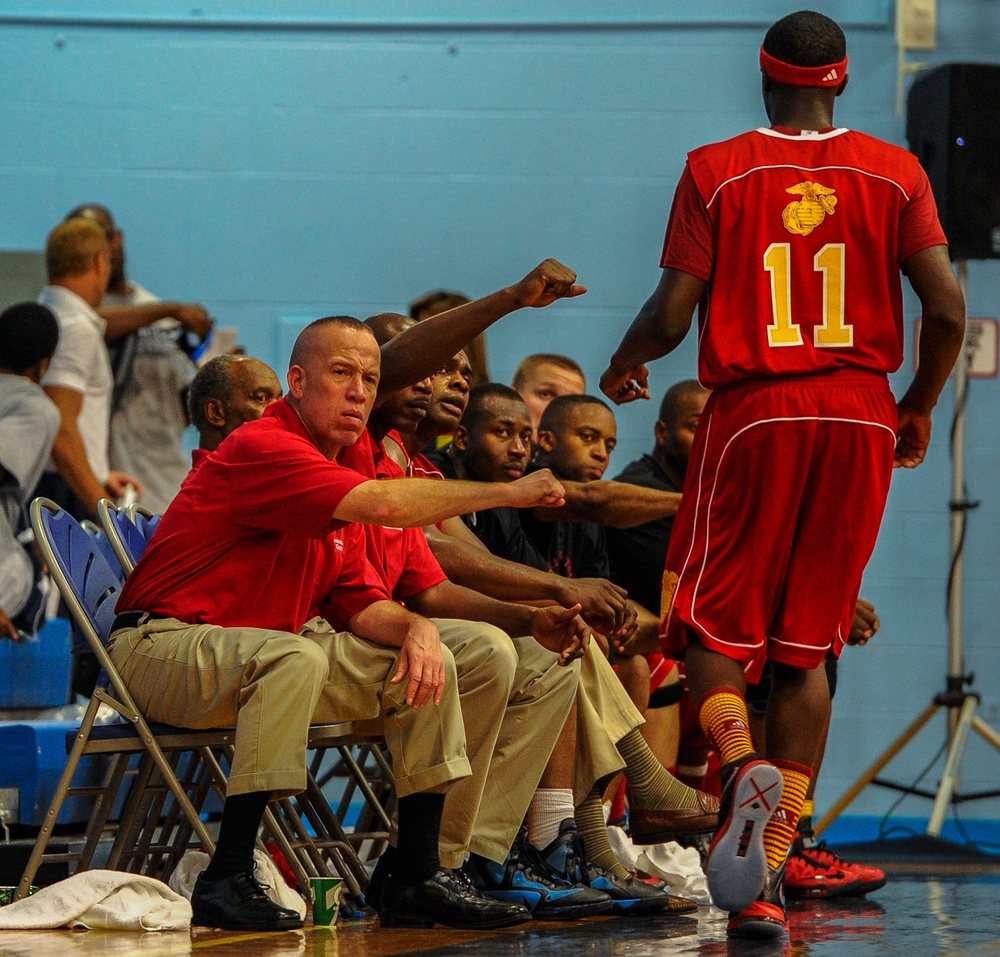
524	879
629	895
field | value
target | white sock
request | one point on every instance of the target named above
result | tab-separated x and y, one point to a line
548	809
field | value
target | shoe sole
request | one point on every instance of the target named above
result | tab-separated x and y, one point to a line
573	912
758	930
663	837
274	927
422	920
737	862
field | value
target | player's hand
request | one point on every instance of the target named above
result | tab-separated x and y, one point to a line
866	623
545	284
603	603
7	629
117	482
421	658
627	385
537	488
642	638
194	317
913	435
562	631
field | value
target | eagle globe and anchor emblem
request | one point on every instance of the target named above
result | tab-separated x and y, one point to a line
803	215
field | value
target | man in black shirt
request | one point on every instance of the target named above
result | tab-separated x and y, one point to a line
637	555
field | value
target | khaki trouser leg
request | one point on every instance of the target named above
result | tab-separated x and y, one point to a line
605	714
263	683
486	663
428	744
541	699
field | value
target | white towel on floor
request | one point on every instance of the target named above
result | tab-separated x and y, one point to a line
679	866
100	900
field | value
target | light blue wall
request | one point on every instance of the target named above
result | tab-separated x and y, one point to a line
291	159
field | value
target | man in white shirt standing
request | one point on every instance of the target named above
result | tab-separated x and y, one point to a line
79	379
152	372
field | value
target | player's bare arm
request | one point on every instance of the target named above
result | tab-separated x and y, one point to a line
942	332
660	326
615	504
603	605
423	348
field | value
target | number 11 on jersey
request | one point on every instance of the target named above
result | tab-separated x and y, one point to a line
784	331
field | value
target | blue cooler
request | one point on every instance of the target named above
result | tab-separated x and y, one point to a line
35	672
32	757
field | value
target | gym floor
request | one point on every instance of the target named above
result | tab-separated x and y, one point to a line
912	916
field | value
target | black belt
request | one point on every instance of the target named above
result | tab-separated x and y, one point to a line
133	619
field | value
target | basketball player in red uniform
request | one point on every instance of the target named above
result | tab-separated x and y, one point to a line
791	239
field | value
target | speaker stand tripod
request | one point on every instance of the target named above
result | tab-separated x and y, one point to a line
958	698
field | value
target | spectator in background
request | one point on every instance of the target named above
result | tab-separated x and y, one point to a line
153	369
228	391
79	379
28	425
544	376
441	300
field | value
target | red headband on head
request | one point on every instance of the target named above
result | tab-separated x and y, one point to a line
830	75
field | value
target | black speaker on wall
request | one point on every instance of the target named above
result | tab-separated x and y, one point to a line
953	127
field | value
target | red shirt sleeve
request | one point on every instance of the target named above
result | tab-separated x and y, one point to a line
919	226
690	241
282	486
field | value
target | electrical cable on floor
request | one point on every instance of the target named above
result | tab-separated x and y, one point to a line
882	832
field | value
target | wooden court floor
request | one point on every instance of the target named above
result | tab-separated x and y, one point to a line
916	916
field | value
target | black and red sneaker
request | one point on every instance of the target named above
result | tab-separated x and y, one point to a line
736	868
807	879
866	879
765	918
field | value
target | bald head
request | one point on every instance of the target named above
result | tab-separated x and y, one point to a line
311	341
228	391
385	326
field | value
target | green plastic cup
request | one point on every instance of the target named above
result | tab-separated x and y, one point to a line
326	893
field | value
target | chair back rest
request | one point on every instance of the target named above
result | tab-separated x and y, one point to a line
88	583
125	539
145	519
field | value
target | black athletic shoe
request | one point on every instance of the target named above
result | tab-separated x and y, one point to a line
525	878
238	902
445	899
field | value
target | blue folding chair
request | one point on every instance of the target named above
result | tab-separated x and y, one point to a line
125	538
143	838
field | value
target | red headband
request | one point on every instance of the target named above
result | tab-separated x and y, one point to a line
830	75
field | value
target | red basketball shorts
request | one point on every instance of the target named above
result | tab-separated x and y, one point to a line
782	503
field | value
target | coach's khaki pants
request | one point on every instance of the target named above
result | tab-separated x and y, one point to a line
272	685
509	741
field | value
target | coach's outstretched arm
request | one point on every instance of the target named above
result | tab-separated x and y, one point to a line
423	348
408	502
659	328
942	331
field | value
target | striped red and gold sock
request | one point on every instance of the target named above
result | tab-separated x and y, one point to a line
723	717
780	830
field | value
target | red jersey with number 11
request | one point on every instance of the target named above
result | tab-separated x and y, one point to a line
800	236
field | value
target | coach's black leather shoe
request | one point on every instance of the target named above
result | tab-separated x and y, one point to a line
445	899
238	902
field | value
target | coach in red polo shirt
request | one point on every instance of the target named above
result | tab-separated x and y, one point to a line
206	634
